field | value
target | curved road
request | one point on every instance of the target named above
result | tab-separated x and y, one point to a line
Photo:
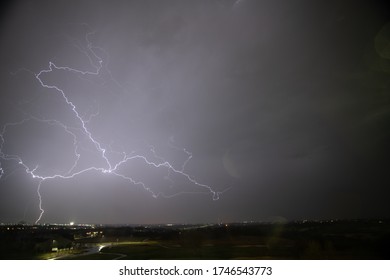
92	250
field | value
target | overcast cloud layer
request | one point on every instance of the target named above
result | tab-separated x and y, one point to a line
284	105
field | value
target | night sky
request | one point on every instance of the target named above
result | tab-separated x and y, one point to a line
220	111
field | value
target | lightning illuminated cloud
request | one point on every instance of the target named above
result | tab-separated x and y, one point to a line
110	167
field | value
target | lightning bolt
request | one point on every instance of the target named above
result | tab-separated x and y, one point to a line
110	167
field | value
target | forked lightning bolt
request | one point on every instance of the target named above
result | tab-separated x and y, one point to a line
111	167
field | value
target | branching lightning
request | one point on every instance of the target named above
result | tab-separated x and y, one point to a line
111	167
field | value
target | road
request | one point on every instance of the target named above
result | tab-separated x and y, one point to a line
96	249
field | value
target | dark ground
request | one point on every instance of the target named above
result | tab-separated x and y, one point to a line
358	239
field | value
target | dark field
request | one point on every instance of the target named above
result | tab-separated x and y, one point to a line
368	239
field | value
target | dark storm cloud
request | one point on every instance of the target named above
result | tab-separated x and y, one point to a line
285	102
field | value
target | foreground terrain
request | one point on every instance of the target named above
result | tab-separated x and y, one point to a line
357	239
